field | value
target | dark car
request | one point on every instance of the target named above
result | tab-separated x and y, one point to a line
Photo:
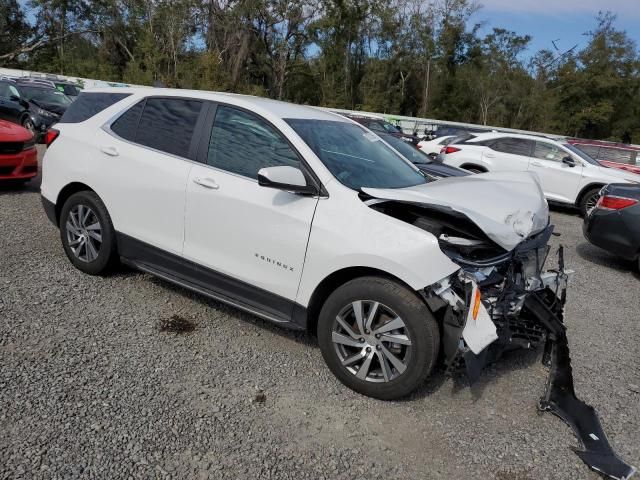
428	166
379	125
45	105
614	223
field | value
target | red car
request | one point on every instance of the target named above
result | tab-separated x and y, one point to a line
18	155
610	154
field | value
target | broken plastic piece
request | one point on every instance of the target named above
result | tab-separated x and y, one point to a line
560	398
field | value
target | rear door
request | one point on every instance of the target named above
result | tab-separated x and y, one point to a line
559	181
508	154
147	154
252	239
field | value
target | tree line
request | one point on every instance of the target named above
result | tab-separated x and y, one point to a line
409	57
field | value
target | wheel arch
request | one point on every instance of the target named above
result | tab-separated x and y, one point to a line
585	189
335	280
66	192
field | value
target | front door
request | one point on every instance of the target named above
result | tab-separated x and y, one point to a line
252	238
559	181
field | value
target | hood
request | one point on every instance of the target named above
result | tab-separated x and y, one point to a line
617	174
11	132
57	109
507	206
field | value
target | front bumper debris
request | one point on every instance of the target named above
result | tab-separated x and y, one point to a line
560	397
526	304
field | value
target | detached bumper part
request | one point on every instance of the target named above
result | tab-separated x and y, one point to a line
560	398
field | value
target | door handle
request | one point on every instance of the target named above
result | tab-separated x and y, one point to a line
537	164
206	183
111	151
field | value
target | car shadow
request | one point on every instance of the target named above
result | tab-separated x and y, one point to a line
601	257
510	361
566	209
11	187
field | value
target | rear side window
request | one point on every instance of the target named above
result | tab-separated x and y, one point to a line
89	104
168	124
126	125
243	143
514	146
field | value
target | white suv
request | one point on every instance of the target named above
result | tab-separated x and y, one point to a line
567	174
307	219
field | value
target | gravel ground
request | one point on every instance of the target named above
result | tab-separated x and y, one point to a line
91	387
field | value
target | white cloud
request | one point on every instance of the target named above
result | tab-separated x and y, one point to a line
622	8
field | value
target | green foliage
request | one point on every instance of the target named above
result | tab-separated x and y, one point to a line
408	57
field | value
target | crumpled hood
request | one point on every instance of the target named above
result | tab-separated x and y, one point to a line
507	206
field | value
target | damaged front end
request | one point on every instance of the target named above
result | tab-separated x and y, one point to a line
493	305
502	298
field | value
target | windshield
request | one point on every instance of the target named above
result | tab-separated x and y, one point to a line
357	158
407	150
45	96
581	154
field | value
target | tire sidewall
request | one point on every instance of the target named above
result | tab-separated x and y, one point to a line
421	327
585	199
107	253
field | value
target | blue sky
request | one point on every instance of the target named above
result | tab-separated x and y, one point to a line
564	21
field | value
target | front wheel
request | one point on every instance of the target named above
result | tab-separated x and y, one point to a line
378	337
29	125
588	201
87	234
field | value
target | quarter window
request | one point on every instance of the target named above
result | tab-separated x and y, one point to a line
168	124
126	125
243	143
546	151
514	146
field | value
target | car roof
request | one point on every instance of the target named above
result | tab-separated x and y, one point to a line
279	109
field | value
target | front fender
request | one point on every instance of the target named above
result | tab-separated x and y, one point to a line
347	233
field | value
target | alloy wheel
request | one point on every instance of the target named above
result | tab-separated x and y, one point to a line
591	202
28	124
371	341
84	233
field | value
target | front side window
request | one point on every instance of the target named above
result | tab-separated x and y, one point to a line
167	124
243	143
547	151
357	158
4	90
514	146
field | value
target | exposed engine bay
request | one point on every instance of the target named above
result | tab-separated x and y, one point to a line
502	300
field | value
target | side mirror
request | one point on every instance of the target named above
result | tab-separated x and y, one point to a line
290	179
14	98
569	161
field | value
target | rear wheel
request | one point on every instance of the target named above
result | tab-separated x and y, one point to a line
589	201
378	337
87	233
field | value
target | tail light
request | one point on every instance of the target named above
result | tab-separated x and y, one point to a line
612	202
50	136
448	150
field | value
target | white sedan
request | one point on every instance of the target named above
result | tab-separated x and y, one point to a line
433	147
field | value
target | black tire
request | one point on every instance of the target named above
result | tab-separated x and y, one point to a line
585	201
107	256
420	326
29	125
